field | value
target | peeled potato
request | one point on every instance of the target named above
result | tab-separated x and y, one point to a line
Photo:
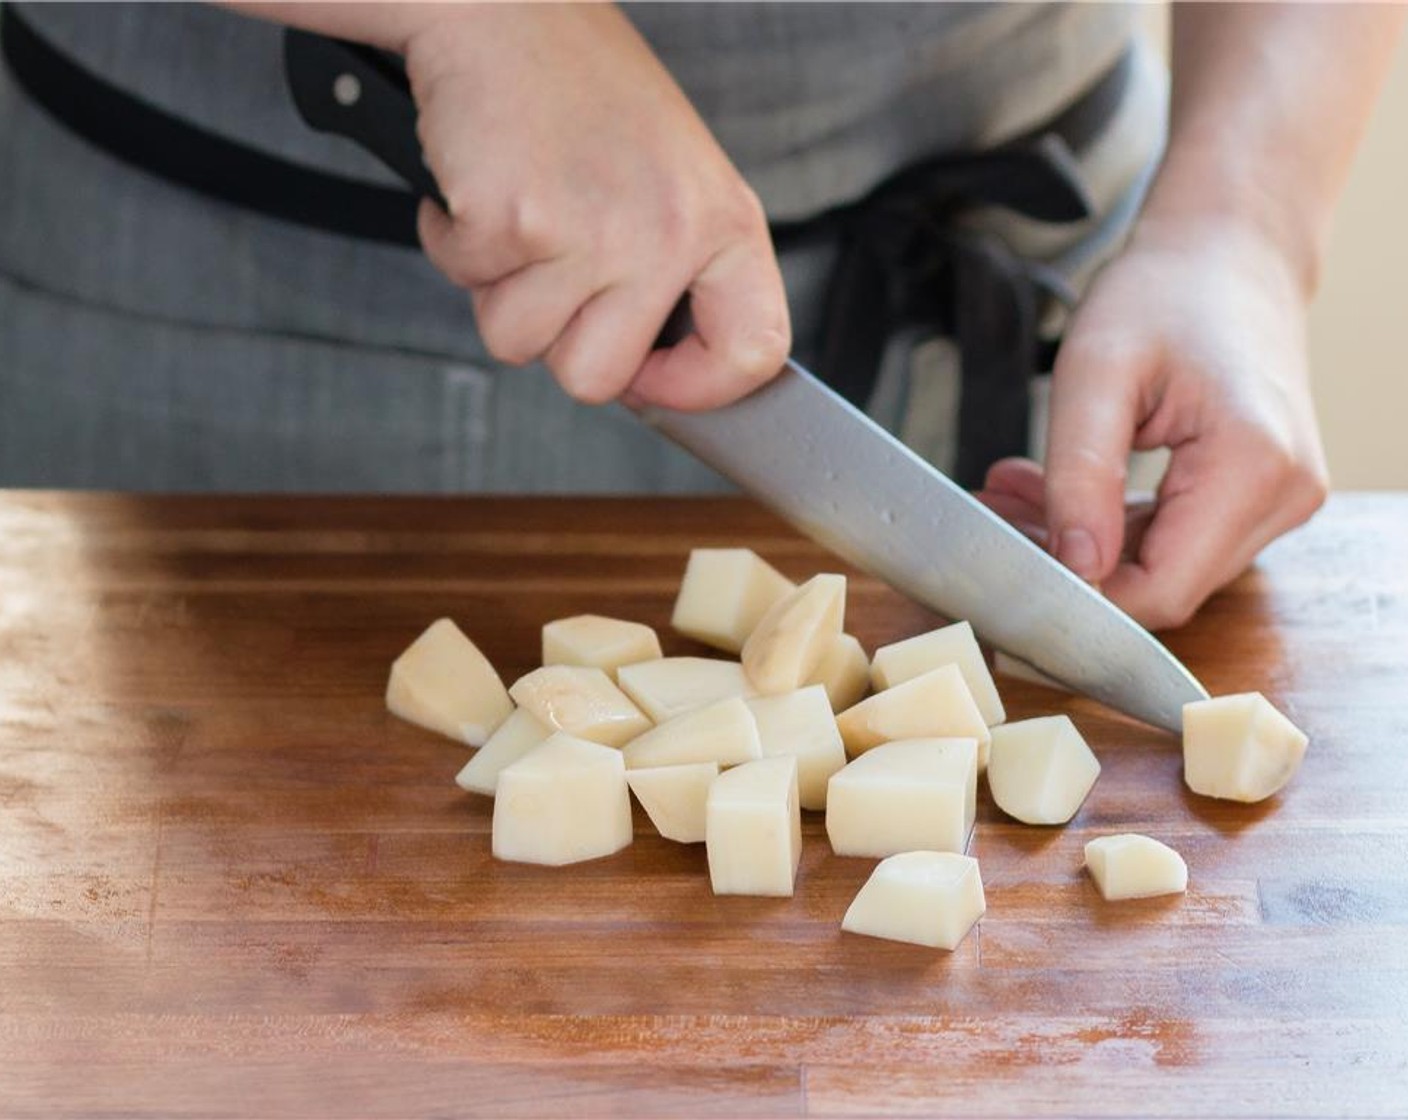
844	671
936	704
1134	866
801	724
514	738
950	645
443	683
925	898
1040	770
723	732
669	686
753	828
1239	747
724	593
904	796
598	642
580	701
675	798
789	641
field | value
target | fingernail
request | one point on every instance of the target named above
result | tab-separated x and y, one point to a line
1078	552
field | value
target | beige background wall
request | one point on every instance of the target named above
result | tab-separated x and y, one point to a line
1359	324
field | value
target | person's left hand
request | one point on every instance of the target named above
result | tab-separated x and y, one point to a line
1193	339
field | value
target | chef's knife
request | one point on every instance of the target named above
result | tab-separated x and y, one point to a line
826	467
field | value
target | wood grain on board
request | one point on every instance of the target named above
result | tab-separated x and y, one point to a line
232	885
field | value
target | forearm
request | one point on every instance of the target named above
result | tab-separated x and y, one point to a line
1268	105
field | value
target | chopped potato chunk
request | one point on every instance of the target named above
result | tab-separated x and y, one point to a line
914	794
563	802
580	701
443	683
514	738
1040	770
753	828
723	732
950	645
670	686
789	641
1134	866
926	898
801	724
844	671
675	798
598	642
725	592
936	704
1239	747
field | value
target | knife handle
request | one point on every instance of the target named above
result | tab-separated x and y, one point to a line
362	94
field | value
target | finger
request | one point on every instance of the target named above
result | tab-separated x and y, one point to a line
521	316
1094	414
1204	533
602	350
1022	478
467	260
742	334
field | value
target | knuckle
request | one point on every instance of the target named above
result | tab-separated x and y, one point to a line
582	380
530	226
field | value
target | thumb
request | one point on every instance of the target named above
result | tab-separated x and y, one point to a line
741	334
1095	394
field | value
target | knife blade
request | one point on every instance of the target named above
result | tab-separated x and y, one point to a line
835	474
825	466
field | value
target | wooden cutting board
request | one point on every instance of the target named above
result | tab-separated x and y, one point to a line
231	885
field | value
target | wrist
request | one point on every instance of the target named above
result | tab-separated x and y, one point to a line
1211	190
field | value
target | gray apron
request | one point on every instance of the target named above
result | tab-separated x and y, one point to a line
151	338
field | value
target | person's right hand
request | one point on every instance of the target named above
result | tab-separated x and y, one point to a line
585	196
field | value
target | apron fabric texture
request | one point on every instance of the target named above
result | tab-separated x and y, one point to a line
151	338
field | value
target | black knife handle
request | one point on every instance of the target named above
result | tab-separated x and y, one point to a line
362	94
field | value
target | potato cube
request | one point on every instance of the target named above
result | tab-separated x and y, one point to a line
443	683
925	898
801	724
910	795
670	686
1239	747
563	802
1040	770
1134	866
723	732
580	701
675	797
936	704
844	671
515	737
597	642
789	641
724	594
950	645
753	828
1004	664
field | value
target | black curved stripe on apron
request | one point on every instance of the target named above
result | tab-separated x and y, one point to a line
140	134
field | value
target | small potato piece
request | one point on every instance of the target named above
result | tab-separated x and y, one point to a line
789	641
1040	770
1006	665
936	704
580	701
563	802
598	642
443	683
1134	866
723	732
915	794
514	738
675	797
753	828
1239	747
724	594
925	898
670	686
801	724
949	645
844	671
